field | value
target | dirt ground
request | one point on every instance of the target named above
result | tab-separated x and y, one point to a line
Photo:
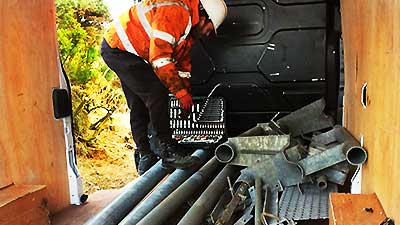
113	166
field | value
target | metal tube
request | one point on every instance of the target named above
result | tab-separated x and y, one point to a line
209	198
225	152
231	151
161	192
322	182
270	206
323	160
170	204
348	149
333	175
133	193
353	152
356	155
259	203
233	204
246	176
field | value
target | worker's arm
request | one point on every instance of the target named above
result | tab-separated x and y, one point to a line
184	63
169	24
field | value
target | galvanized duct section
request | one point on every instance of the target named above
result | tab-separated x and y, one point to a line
354	153
176	199
206	202
294	163
261	138
232	150
161	192
130	197
341	146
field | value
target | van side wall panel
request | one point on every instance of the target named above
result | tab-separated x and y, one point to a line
31	140
371	35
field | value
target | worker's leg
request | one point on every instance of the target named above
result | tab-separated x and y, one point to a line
156	100
128	67
154	95
139	120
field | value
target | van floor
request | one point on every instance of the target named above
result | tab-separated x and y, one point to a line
80	214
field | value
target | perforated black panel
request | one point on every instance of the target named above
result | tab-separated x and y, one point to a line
271	56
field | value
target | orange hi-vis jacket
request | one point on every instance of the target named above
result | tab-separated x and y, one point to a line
158	31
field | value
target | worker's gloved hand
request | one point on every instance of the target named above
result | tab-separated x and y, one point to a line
185	76
186	102
186	82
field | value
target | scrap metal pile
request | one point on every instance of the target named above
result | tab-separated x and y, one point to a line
275	173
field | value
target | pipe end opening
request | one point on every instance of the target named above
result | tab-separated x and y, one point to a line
224	153
356	155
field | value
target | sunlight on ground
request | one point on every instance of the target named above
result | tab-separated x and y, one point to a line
114	167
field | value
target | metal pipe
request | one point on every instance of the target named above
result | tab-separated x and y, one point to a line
225	152
323	160
176	199
259	203
162	191
333	175
246	176
356	155
133	193
205	203
231	151
239	192
348	149
353	152
230	208
322	182
270	208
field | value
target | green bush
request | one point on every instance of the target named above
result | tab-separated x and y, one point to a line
96	91
80	26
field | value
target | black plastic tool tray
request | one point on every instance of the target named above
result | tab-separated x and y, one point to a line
204	124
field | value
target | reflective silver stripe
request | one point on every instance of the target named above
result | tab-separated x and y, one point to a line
123	37
164	36
187	30
143	20
158	63
184	74
155	33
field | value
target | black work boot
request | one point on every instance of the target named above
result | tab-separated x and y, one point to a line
173	156
146	161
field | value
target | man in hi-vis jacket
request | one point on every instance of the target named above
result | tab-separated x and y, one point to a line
148	47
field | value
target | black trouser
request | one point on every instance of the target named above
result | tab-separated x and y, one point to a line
147	97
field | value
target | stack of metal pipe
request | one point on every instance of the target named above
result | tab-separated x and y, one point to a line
275	173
